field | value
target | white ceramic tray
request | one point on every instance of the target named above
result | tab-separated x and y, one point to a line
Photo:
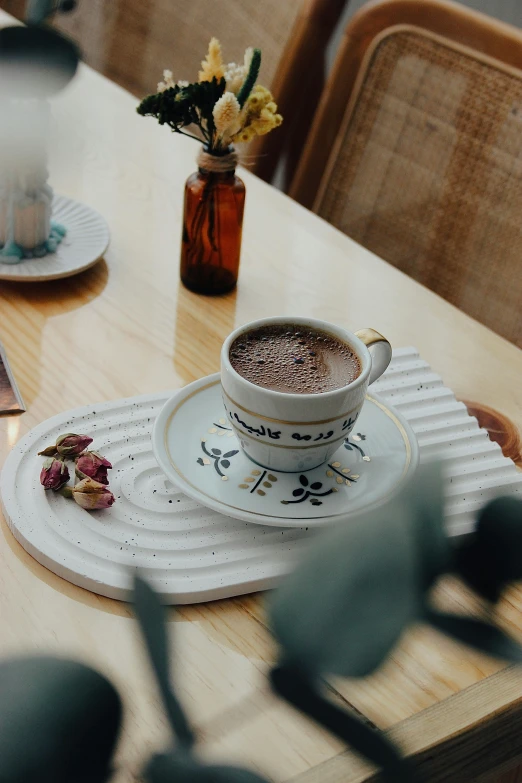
85	242
190	553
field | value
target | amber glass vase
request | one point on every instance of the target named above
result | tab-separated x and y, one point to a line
212	224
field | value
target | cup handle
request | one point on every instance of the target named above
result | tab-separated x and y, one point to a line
380	351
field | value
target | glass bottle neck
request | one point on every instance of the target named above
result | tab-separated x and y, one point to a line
217	176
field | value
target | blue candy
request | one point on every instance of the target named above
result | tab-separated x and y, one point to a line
11	253
58	228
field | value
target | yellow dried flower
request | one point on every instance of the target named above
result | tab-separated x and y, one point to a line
259	97
258	116
245	135
212	66
260	100
264	123
226	113
243	110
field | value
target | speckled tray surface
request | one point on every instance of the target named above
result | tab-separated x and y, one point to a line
189	552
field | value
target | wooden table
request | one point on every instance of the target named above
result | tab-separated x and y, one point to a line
126	327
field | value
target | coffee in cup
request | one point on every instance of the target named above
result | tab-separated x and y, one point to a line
293	388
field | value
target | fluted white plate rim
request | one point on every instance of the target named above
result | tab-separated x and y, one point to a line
85	243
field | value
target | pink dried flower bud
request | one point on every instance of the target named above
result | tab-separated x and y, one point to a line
71	445
54	474
93	465
91	495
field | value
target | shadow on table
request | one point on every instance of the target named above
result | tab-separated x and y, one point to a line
55	297
188	613
74	592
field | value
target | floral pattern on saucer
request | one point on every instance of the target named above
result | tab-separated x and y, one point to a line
202	455
260	481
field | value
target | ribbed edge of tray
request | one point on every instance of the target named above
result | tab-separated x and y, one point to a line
476	469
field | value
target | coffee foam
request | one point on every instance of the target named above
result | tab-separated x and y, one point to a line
294	359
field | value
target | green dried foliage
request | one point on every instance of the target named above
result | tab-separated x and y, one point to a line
181	764
476	633
424	498
344	608
59	722
366	580
186	768
150	614
179	107
251	78
309	697
492	557
38	11
340	612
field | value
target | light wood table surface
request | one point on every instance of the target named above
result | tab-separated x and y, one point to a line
127	327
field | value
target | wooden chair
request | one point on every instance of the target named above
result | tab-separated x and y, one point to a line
132	41
416	151
297	86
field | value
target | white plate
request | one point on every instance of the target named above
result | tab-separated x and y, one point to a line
84	244
196	447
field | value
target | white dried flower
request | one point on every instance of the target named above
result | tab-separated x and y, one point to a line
235	74
167	82
226	113
248	58
234	77
182	83
168	78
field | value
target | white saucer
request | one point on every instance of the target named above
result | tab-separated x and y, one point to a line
198	451
85	242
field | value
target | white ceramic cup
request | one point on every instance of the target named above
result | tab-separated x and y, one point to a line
297	432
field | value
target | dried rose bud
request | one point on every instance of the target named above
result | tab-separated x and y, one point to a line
90	494
54	474
93	465
49	451
71	445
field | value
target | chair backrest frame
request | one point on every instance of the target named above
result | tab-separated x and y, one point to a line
458	24
297	86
